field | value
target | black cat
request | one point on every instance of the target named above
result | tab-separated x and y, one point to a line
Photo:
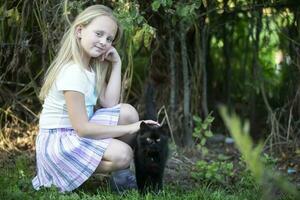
150	156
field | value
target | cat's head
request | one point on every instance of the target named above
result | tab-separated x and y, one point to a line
153	134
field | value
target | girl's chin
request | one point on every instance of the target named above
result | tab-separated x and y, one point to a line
96	55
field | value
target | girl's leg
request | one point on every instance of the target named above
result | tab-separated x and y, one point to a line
117	156
128	115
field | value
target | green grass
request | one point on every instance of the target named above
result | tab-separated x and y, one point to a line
16	176
22	190
15	183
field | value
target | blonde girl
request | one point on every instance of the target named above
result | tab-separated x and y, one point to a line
74	141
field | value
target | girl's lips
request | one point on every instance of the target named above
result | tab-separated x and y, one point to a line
100	49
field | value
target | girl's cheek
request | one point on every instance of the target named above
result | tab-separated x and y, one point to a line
107	47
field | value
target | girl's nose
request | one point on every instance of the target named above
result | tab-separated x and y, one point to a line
102	41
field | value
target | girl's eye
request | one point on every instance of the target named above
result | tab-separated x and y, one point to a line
110	40
99	34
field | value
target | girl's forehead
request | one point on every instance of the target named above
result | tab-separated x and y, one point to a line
104	23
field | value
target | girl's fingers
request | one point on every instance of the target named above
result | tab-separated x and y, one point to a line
151	122
108	52
111	55
102	57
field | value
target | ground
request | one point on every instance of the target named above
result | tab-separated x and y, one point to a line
181	171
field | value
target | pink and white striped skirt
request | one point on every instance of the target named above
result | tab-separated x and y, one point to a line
66	160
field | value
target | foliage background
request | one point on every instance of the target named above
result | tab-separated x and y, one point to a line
198	55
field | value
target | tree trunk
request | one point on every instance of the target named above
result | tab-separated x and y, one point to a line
297	57
227	55
173	98
203	62
187	137
196	84
255	76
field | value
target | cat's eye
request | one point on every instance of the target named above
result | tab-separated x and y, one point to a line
149	140
158	140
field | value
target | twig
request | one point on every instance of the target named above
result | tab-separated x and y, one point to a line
66	12
14	116
26	108
12	83
163	108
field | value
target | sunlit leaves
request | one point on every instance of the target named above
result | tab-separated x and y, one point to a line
156	4
12	15
134	24
144	36
178	11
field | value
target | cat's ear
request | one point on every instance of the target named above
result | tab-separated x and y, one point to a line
143	126
165	129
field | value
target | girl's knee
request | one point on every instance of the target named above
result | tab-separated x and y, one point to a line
124	158
128	114
119	154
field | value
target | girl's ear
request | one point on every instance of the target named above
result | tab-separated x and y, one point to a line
78	31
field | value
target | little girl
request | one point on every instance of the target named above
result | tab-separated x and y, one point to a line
74	141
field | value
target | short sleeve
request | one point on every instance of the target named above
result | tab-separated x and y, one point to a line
71	77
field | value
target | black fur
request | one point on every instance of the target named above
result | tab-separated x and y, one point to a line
150	156
150	103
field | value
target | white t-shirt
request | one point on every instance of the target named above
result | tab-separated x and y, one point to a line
71	77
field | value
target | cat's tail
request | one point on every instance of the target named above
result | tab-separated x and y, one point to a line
150	110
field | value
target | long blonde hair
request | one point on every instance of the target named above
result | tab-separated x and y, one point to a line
71	50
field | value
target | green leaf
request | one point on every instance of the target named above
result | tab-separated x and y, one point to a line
174	20
197	130
204	151
223	157
197	118
219	177
183	11
169	3
164	3
208	175
155	5
209	119
203	141
208	133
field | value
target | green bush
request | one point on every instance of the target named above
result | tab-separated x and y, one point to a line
214	171
202	131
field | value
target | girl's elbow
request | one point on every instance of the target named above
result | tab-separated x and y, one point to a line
109	104
80	130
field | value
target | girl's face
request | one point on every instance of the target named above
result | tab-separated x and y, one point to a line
96	38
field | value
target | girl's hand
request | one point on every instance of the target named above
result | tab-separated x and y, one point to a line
111	56
150	122
136	125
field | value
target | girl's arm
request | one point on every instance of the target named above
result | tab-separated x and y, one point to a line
79	120
110	94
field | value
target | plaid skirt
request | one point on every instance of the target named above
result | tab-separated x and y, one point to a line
66	160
